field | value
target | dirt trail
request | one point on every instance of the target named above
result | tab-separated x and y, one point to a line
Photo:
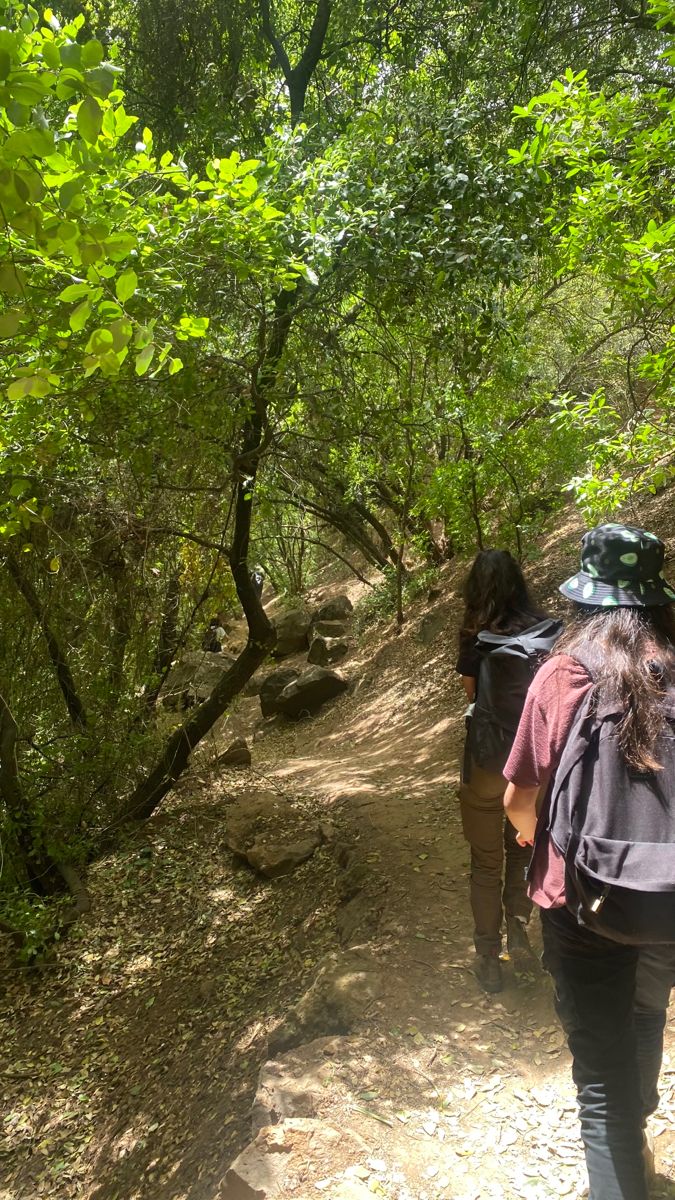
131	1070
455	1094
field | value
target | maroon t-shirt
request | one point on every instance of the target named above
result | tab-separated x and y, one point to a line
551	705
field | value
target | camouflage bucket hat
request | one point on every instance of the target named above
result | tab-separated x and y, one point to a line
620	566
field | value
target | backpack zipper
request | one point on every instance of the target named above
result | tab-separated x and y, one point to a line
600	900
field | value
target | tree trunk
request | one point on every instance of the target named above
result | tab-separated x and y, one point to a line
34	868
63	673
176	753
168	633
298	77
120	634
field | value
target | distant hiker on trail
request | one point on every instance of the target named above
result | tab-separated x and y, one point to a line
503	639
214	637
257	578
598	731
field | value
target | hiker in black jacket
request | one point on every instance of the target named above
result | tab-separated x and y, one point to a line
502	639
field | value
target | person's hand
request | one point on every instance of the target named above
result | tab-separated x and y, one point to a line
523	841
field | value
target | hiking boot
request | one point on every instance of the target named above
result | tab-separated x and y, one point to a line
488	972
518	944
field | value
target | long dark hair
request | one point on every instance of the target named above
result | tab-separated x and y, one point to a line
631	655
496	596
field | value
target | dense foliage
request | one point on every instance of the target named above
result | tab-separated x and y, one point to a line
281	281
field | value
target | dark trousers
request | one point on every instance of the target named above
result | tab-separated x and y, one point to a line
611	1000
494	851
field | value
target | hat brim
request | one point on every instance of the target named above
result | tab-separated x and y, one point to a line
582	588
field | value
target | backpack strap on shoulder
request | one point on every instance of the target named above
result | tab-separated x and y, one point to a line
584	661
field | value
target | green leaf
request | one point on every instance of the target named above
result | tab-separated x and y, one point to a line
28	385
68	191
9	323
92	53
101	81
126	285
79	316
121	330
193	326
89	119
51	55
118	245
71	54
144	358
100	341
11	279
75	291
19	114
70	82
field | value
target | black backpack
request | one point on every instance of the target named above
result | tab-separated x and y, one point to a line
615	828
508	663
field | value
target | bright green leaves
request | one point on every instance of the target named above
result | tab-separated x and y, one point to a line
39	384
80	315
192	327
101	80
119	245
609	161
126	285
144	358
12	279
92	53
9	323
70	193
75	291
90	119
100	341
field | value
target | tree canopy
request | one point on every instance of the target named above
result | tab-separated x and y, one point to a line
286	280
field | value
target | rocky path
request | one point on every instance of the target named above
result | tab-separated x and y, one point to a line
129	1066
439	1090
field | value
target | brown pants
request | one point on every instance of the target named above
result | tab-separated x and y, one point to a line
493	843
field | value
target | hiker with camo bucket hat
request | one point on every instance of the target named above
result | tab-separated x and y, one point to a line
620	566
594	755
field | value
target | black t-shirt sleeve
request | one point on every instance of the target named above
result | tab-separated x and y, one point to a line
468	658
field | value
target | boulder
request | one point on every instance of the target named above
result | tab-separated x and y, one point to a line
209	672
432	626
285	1159
343	988
193	678
331	629
269	834
292	1086
236	755
309	691
252	688
326	650
292	632
272	687
250	816
273	860
336	609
